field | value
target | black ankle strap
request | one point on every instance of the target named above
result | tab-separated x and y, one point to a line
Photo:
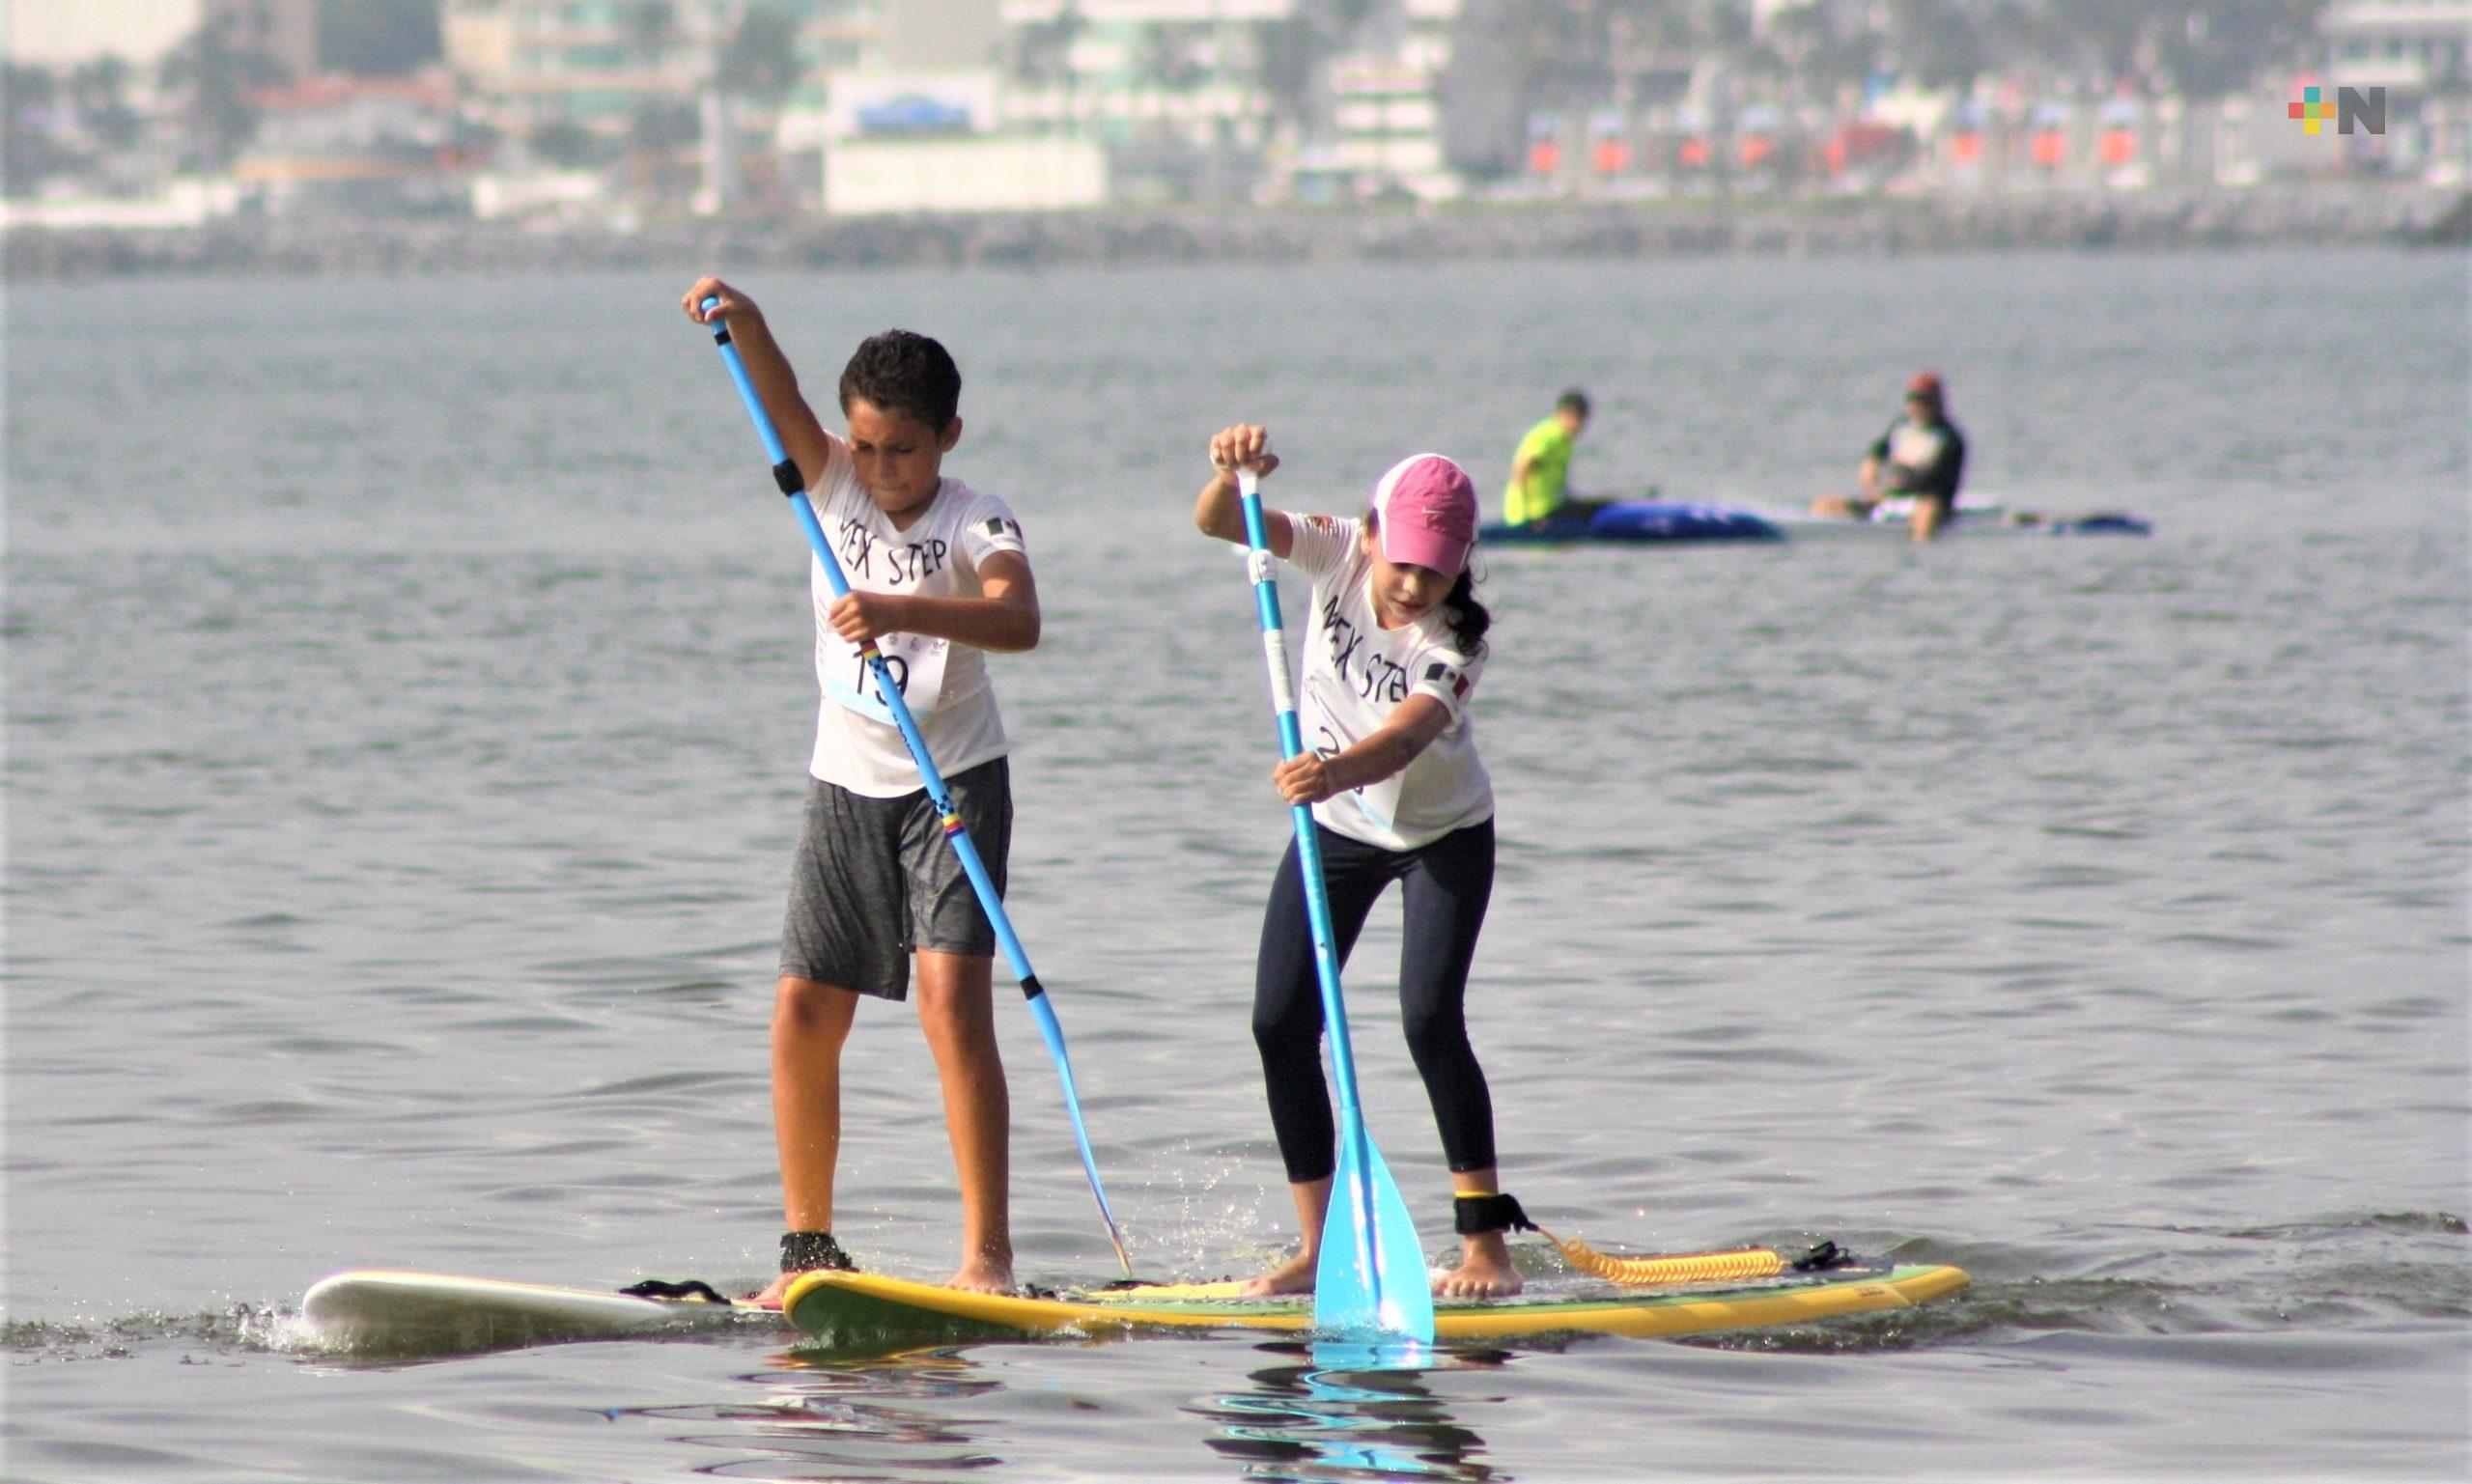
695	1289
804	1252
1474	1215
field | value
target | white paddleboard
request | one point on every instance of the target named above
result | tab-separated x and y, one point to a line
382	1312
1976	516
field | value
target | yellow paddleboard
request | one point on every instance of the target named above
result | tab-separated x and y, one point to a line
862	1308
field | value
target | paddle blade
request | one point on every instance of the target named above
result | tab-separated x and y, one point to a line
1371	1280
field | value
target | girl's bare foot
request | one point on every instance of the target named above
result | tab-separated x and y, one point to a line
1292	1276
983	1274
770	1297
1484	1271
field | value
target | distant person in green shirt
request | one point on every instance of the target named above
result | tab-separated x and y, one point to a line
1540	470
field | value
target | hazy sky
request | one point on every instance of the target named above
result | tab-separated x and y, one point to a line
56	31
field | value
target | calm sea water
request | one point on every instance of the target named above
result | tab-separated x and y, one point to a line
408	694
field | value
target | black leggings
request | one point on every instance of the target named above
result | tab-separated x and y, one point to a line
1447	884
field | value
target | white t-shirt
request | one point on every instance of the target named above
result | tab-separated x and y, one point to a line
857	744
1916	447
1357	673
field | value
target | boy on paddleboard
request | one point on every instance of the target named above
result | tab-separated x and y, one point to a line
1393	655
938	574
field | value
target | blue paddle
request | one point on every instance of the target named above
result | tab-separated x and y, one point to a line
785	474
1370	1279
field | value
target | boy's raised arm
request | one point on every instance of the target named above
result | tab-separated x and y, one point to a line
776	384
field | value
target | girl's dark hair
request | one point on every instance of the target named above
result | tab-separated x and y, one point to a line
1460	609
904	372
1466	616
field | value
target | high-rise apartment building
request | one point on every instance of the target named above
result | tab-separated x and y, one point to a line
283	30
1143	71
601	64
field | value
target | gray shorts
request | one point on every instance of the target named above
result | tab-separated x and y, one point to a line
873	880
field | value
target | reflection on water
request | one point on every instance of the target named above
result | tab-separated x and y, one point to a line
1326	1410
1351	1411
835	1418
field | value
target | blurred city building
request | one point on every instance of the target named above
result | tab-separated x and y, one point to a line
921	125
284	32
632	110
1177	93
1385	133
66	34
2420	53
341	146
675	102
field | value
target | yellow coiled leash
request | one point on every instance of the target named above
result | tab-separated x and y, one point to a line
1484	1213
1642	1272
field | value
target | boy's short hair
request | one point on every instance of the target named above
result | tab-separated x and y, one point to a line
905	372
1574	403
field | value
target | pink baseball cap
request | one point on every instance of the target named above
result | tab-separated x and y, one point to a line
1427	513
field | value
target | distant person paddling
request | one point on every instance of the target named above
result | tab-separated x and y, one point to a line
938	576
1922	456
1540	468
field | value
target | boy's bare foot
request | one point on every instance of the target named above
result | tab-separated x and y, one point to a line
1484	1271
983	1276
1292	1276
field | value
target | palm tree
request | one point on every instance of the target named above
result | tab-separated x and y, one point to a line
100	90
652	25
217	78
30	150
762	62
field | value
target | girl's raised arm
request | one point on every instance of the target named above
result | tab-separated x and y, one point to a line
1218	512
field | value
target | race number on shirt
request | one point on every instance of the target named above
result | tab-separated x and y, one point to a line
1380	799
916	665
936	555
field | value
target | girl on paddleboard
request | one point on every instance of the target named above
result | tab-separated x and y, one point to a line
1393	654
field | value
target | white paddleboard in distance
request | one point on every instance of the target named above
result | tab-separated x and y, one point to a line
378	1311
